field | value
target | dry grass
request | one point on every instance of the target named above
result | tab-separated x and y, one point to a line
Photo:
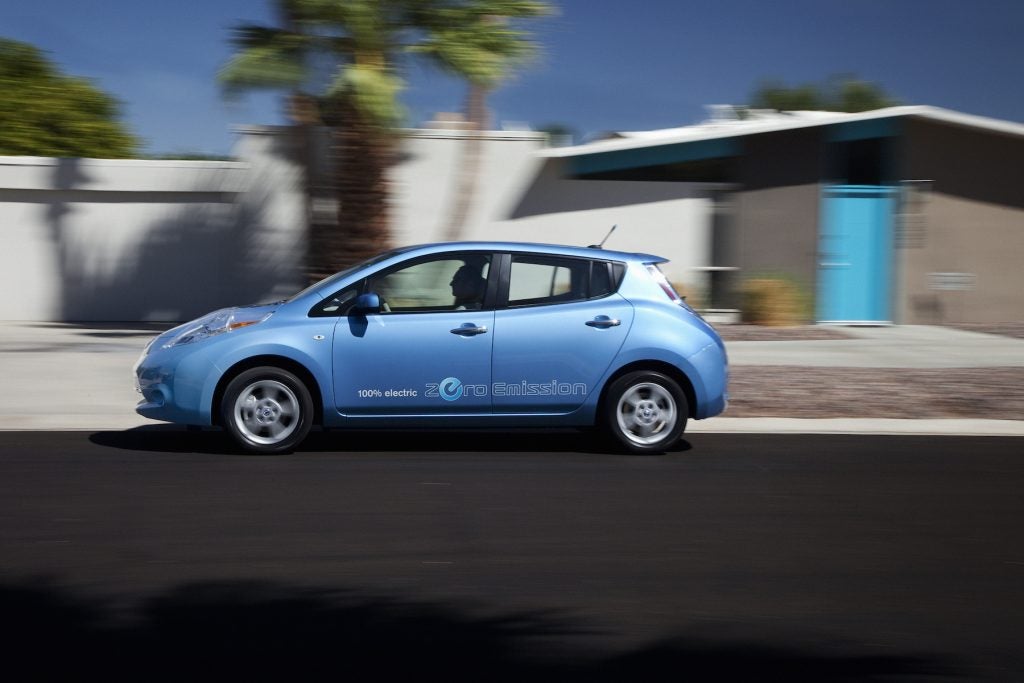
811	392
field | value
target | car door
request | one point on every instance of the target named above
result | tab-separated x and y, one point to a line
428	350
558	330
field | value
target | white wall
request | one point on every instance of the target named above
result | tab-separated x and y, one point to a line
105	240
113	240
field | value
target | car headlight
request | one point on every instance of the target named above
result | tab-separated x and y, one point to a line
218	322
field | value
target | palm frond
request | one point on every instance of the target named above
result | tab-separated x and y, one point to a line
476	39
266	58
373	90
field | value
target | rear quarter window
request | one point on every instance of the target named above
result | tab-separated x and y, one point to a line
539	279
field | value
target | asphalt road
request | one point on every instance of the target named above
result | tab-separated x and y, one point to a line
154	554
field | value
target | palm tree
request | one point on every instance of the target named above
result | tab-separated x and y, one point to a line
482	51
469	168
364	41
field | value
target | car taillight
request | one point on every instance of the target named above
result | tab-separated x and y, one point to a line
663	282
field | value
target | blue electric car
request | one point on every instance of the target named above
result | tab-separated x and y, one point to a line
448	336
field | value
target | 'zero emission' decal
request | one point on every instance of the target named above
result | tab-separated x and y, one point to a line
452	389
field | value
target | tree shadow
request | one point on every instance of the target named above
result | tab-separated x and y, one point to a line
177	439
252	630
218	242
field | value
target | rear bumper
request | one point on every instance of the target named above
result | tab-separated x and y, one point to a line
712	364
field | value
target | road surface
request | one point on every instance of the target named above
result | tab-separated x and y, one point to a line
160	554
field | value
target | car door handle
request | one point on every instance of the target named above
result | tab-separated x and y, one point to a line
469	330
603	321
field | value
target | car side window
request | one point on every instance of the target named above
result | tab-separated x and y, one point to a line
449	282
536	280
600	279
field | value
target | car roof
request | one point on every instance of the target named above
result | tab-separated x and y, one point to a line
534	247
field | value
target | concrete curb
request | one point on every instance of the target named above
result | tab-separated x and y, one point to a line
716	425
864	426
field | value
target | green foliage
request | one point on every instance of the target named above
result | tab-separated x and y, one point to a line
46	113
478	40
855	96
782	98
364	43
365	39
373	89
840	93
775	301
266	58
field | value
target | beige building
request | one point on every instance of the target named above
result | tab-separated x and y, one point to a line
907	215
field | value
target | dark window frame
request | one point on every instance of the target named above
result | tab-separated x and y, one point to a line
317	310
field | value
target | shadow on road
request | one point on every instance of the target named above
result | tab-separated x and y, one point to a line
267	631
175	439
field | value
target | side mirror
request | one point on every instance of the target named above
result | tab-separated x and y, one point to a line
367	303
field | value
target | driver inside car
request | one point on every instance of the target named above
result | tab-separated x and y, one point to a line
468	288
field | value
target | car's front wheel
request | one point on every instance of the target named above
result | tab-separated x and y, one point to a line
267	410
646	411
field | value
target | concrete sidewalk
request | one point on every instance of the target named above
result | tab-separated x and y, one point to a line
58	376
71	377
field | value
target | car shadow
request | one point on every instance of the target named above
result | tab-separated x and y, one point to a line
177	439
262	630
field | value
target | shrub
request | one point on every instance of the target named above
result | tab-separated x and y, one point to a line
691	293
774	301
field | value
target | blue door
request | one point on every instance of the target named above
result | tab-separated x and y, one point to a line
413	363
428	350
548	359
559	333
855	254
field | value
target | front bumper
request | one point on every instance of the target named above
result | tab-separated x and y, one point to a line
173	384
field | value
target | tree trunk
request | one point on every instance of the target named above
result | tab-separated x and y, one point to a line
469	166
362	155
303	117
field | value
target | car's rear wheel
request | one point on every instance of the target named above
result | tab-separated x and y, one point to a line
267	410
646	411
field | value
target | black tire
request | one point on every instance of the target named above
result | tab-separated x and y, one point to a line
267	410
645	411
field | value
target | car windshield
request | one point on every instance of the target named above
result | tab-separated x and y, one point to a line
351	269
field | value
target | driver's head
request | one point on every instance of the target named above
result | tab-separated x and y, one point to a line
467	285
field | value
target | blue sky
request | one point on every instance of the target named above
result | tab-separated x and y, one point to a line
604	65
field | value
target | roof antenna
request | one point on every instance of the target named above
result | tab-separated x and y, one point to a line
601	245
